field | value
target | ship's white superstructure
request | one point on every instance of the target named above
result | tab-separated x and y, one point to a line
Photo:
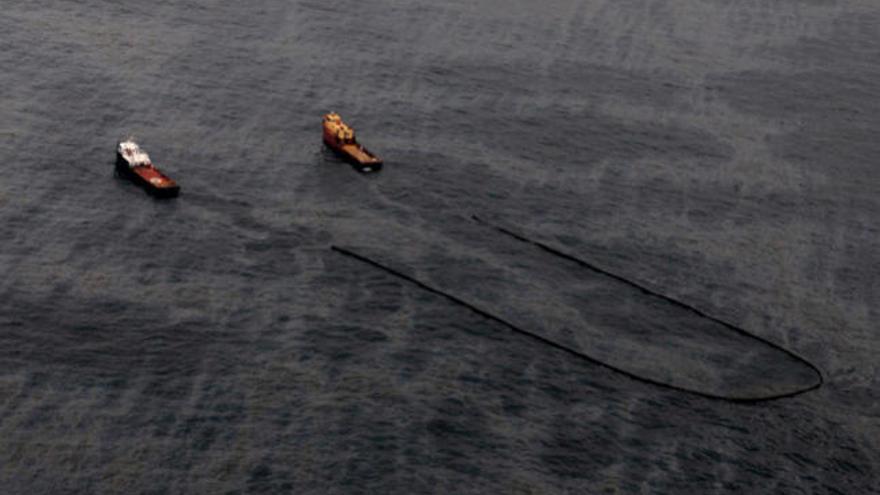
132	153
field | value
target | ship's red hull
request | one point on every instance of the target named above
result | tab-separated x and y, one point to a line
148	177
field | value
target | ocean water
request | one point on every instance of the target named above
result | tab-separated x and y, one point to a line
722	153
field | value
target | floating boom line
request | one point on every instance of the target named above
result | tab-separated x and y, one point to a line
675	302
568	350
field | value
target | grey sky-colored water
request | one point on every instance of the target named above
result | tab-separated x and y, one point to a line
723	152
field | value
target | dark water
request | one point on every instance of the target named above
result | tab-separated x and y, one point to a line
724	153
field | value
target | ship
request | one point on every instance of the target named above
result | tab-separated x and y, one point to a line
339	137
134	163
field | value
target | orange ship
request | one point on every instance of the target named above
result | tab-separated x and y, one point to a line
339	137
135	164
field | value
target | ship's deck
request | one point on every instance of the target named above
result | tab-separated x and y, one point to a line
358	153
153	176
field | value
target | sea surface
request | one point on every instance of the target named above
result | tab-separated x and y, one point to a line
722	153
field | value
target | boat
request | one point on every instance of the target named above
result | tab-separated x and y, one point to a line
339	137
135	164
